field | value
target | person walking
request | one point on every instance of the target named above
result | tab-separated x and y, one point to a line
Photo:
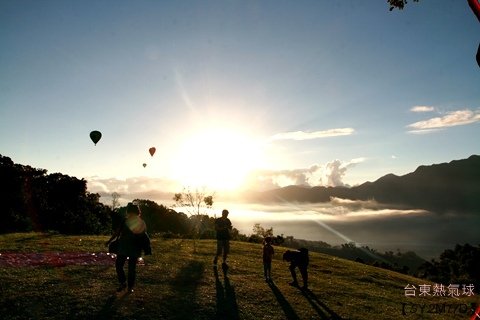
133	239
223	226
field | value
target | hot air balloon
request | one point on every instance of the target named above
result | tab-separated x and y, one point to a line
152	151
95	136
475	6
144	165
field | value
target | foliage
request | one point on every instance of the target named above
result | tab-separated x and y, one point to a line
196	203
460	265
260	231
399	4
115	201
160	219
35	200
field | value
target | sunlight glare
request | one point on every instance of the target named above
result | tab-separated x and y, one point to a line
218	158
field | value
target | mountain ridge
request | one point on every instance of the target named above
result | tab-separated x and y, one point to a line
442	188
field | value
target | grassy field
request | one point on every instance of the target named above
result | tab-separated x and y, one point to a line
176	283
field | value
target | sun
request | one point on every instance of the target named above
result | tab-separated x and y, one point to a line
218	158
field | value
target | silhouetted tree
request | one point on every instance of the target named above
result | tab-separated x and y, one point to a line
115	202
261	231
398	4
195	203
458	266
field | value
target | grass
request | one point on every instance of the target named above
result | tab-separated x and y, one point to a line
176	283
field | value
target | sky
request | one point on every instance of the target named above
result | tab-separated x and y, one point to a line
237	94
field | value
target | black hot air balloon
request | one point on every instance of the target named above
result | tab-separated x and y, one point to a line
95	136
144	165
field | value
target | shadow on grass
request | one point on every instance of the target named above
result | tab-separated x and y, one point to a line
39	236
181	305
109	310
185	286
321	308
290	314
227	307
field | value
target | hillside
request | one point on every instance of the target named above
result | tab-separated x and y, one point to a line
453	186
175	283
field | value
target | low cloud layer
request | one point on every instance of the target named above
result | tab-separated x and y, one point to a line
132	188
445	120
329	174
364	222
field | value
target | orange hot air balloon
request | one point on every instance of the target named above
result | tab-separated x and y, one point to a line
144	165
95	136
152	151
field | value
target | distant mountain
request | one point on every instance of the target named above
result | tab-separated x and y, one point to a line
445	187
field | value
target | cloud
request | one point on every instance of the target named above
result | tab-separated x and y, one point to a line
333	172
425	131
365	205
450	119
302	135
422	109
336	210
328	174
356	161
262	180
132	188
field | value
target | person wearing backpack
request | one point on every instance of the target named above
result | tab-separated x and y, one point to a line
132	240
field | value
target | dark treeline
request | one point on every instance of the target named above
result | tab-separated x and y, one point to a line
33	200
458	266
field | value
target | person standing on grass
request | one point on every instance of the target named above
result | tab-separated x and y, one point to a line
132	240
267	258
223	226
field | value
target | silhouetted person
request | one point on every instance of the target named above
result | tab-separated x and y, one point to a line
132	240
223	226
298	258
267	258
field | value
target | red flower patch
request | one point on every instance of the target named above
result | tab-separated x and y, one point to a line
55	259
